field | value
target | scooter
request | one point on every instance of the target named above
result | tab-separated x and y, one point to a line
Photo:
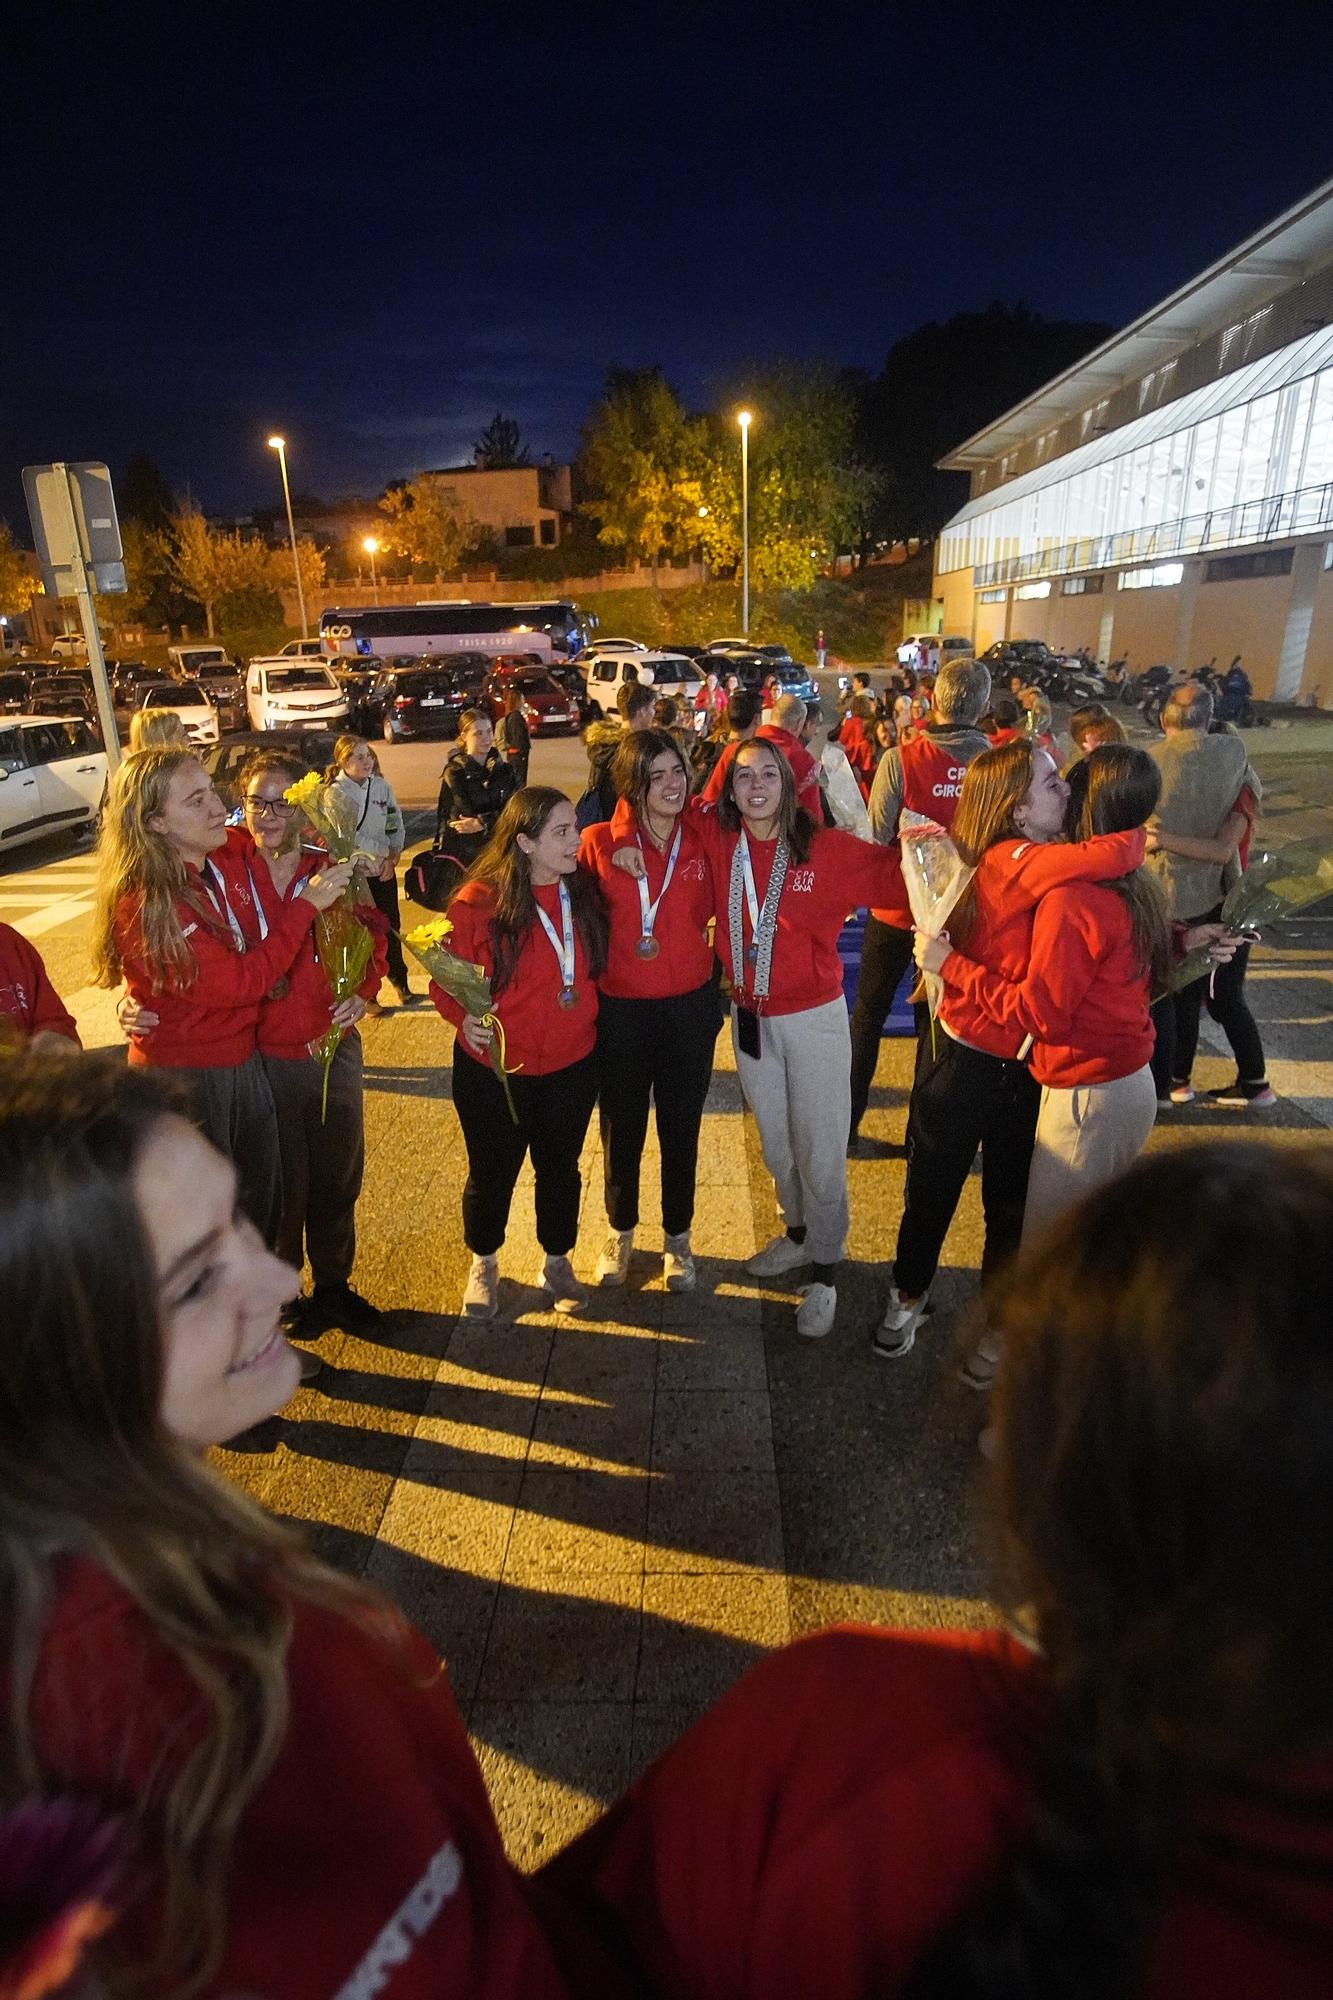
1089	682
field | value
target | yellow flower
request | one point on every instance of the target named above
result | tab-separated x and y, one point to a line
425	935
304	789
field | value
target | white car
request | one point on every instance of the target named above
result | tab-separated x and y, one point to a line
955	649
293	694
201	659
185	699
302	649
52	776
664	673
615	646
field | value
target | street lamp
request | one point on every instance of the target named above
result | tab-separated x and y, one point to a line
279	445
371	547
743	419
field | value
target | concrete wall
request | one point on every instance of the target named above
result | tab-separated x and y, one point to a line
1246	617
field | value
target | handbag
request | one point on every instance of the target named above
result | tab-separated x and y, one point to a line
431	878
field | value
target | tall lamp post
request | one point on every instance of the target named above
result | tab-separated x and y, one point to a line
743	419
280	446
371	547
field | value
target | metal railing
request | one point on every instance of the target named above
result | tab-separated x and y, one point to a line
1306	511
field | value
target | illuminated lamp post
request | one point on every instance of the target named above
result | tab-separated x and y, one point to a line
279	445
743	419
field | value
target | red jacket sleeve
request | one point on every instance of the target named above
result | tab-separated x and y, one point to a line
1039	866
864	872
1062	967
224	978
45	1011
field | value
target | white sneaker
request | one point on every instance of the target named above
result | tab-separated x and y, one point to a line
817	1311
677	1262
613	1264
780	1255
896	1333
556	1278
978	1371
481	1295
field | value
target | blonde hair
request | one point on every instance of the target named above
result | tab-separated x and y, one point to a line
345	747
157	729
133	859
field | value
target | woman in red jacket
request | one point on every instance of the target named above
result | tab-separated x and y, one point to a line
305	1813
658	1013
1099	952
973	1088
1136	1801
176	919
535	924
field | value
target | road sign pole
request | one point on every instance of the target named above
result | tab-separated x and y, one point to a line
106	713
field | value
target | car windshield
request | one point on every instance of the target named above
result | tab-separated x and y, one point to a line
285	679
12	684
666	670
540	684
169	696
419	684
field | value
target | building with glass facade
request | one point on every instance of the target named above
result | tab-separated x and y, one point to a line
1170	498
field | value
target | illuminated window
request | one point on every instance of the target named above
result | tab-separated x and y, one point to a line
1081	586
998	596
1160	577
1033	590
1238	340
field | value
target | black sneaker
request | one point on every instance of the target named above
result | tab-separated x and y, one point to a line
293	1315
339	1305
1240	1096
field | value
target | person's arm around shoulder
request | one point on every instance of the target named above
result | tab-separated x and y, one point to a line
1061	967
1034	867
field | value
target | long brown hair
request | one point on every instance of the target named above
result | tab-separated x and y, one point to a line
1164	1429
994	787
505	869
1113	790
632	765
795	825
133	859
88	1470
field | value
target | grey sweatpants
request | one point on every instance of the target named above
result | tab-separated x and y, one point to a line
800	1091
1085	1136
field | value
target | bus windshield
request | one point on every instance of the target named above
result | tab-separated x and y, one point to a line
543	628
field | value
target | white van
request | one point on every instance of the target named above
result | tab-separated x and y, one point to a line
194	660
605	674
52	777
293	694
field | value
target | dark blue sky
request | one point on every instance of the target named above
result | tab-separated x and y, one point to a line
371	232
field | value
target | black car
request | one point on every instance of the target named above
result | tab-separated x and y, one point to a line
13	693
127	677
356	676
751	669
1023	654
223	761
62	694
424	701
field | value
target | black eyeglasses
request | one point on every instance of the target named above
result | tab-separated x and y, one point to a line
261	808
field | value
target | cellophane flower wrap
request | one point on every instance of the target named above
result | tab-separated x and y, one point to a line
343	944
64	1872
1275	885
468	985
935	875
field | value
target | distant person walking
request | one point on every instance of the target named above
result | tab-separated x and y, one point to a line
355	774
513	738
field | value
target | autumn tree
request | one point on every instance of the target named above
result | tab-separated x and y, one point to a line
426	523
18	580
643	463
212	563
500	448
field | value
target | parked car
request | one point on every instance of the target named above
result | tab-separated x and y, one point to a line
127	677
213	668
749	665
13	692
665	673
224	760
788	676
1030	658
61	694
186	699
302	649
193	658
69	646
953	647
52	777
357	678
550	708
469	671
293	694
615	646
425	701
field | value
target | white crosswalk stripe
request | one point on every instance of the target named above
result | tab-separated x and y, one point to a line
58	893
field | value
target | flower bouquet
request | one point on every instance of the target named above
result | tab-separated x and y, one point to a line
63	1874
1274	886
935	876
343	945
467	984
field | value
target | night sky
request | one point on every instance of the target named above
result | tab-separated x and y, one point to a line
370	227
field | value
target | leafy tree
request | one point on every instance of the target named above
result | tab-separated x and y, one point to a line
643	463
500	448
426	523
144	495
210	563
19	583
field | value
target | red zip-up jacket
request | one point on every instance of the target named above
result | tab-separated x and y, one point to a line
26	993
817	898
843	1803
297	1011
213	1022
860	750
685	959
1084	998
1011	879
803	767
541	1036
368	1862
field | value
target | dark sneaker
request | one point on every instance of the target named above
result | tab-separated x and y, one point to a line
339	1305
1240	1096
293	1315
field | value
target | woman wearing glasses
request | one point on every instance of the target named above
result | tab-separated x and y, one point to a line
176	918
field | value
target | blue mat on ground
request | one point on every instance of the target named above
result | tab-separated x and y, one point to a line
901	1020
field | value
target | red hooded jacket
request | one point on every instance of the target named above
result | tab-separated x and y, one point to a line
541	1036
803	768
26	993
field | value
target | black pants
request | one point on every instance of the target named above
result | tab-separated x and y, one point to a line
553	1113
886	953
1176	1020
233	1108
322	1159
962	1099
660	1050
385	896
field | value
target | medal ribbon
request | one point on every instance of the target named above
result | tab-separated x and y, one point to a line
564	952
217	895
648	911
763	923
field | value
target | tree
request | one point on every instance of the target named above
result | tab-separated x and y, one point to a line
427	524
210	563
500	448
19	582
144	495
643	463
282	570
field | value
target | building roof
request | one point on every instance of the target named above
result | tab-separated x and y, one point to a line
1278	256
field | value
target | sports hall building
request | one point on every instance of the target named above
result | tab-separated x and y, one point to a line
1170	498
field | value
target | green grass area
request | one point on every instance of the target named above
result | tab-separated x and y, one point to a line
862	618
